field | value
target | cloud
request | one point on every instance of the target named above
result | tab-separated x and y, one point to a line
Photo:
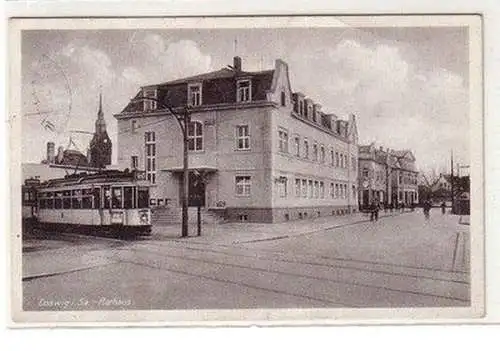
163	61
72	77
398	105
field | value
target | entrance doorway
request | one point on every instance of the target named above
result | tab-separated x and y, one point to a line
196	190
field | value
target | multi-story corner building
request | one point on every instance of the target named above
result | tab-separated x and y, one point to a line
373	176
388	176
256	149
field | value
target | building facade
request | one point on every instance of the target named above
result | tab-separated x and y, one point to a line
256	149
387	176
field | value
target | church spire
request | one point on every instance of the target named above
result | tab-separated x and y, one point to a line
100	124
100	114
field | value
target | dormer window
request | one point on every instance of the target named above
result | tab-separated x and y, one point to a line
244	91
149	94
194	94
301	107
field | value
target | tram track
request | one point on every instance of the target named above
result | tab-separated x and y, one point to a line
209	248
290	274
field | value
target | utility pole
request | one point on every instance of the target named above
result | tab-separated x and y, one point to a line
185	177
183	122
452	186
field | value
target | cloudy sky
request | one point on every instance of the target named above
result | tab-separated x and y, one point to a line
407	86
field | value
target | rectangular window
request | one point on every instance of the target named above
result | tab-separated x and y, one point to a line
134	162
66	199
322	190
297	146
87	198
58	200
243	185
242	137
341	161
150	146
128	197
283	140
76	199
133	126
337	160
332	157
282	188
306	149
195	136
194	95
301	107
322	154
244	91
50	200
297	188
304	188
337	191
283	98
353	160
316	189
332	190
311	189
116	198
142	197
315	152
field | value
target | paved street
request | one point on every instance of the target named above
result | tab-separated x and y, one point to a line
399	261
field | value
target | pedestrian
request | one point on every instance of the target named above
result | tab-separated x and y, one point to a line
375	207
443	207
427	209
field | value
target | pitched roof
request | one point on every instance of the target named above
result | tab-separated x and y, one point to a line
217	87
220	74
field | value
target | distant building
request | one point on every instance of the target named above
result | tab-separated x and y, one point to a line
443	183
256	148
388	176
98	154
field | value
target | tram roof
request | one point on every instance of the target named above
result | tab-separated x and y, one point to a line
101	177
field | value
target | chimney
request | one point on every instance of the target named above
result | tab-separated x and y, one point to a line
51	152
237	63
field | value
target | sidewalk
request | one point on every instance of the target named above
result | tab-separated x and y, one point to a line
240	233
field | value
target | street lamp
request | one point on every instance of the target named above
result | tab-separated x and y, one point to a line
183	124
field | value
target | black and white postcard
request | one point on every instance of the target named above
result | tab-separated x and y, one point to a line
246	170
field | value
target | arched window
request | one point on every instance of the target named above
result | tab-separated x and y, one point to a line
195	136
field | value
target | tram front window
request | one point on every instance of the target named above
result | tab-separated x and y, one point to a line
128	197
116	198
142	198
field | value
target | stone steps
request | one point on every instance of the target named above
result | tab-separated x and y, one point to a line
173	215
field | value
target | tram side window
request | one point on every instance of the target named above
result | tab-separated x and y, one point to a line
50	200
58	200
116	198
97	197
43	201
107	197
128	197
66	199
76	199
142	198
86	198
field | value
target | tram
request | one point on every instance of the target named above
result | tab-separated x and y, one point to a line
29	204
106	202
